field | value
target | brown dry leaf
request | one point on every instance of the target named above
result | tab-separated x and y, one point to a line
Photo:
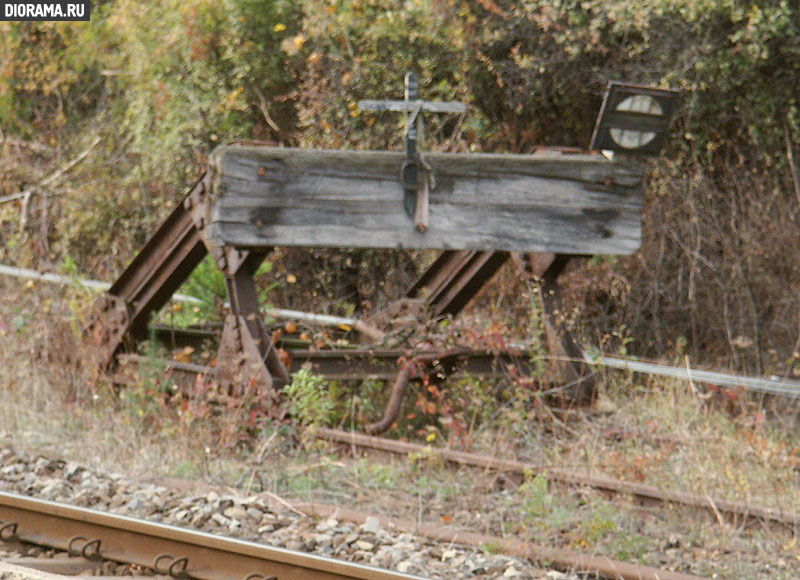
290	327
185	355
285	357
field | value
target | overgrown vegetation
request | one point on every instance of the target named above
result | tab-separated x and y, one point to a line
162	84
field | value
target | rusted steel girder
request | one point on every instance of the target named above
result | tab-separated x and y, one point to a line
455	278
247	357
576	376
157	271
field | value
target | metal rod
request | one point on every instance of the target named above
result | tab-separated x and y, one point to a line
410	105
86	283
285	313
776	386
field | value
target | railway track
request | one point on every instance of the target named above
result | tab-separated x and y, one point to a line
167	550
89	538
592	566
644	495
337	364
374	363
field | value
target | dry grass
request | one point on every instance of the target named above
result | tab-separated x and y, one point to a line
65	410
665	434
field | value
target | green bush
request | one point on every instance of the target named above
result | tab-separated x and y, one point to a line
311	399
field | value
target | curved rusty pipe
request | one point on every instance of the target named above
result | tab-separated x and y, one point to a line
393	407
447	360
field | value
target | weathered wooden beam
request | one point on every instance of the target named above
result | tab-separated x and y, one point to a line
573	204
411	105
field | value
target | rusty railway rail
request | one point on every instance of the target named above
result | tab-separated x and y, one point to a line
594	566
375	363
386	364
168	550
643	494
90	537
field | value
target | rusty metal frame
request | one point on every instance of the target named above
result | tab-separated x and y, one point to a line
456	277
569	359
247	356
248	361
147	284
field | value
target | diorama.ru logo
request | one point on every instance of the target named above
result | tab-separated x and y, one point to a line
40	11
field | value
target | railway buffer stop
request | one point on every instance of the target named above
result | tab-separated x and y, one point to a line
478	209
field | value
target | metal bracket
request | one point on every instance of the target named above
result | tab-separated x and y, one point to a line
410	169
416	176
572	371
247	358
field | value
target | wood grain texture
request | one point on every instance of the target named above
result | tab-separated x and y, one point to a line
578	204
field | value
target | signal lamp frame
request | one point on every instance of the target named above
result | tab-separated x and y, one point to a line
622	122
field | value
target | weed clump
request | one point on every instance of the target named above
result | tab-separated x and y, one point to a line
311	398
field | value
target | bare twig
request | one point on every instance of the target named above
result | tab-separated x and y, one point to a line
349	46
790	157
54	176
262	106
285	504
44	225
38	147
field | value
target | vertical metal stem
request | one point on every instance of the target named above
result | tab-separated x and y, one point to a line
410	169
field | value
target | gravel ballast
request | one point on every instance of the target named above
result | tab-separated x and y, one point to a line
259	518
